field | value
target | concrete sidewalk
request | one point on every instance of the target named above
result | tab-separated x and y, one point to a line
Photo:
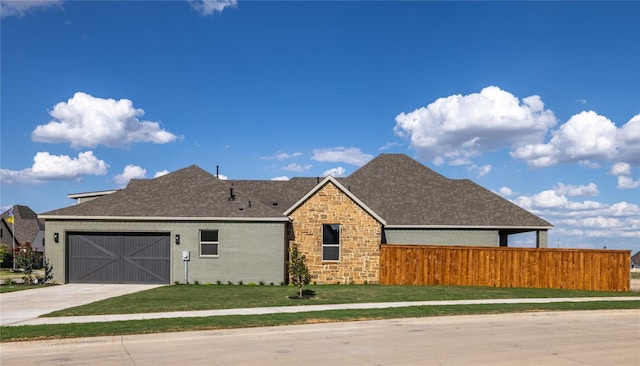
303	308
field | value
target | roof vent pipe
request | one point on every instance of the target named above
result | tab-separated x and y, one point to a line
232	197
217	171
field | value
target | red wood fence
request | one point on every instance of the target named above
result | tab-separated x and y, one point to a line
577	269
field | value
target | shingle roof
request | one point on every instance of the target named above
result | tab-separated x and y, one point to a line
398	189
405	192
189	192
26	224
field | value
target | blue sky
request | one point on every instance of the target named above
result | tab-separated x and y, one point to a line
539	102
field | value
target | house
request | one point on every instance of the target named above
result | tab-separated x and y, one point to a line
25	228
635	260
190	225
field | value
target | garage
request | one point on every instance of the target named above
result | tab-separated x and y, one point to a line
141	258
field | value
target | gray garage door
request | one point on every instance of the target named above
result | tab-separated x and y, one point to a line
118	257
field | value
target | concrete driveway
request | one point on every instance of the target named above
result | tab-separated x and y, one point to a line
23	305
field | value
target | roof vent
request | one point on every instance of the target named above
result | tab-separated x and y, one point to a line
232	197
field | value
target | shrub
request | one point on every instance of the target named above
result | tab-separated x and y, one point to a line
196	282
27	259
229	283
251	284
48	273
4	250
240	283
261	283
219	282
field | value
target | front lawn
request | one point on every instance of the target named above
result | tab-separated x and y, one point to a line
41	332
209	297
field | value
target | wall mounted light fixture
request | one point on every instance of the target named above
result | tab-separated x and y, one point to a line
177	239
56	238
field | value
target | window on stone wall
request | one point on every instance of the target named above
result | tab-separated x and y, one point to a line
331	242
209	243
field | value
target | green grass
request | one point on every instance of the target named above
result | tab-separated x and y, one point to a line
12	288
39	332
8	273
202	297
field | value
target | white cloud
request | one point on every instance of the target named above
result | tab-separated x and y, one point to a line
88	121
586	219
209	7
161	173
586	136
129	172
351	155
294	167
389	145
21	7
590	190
627	183
463	126
621	169
48	167
629	141
282	156
335	172
480	171
505	192
282	177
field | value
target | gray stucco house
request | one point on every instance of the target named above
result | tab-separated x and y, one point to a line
240	230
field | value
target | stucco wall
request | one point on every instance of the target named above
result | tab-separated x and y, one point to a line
248	252
484	238
359	237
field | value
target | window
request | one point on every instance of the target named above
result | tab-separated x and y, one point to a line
331	242
209	243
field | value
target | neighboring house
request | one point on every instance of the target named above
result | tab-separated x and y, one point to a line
26	228
240	230
635	260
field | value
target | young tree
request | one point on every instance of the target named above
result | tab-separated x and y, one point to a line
27	259
298	268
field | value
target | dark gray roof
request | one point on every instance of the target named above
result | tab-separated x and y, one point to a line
397	188
189	192
26	224
280	195
405	192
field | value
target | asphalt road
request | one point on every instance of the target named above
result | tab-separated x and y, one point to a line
555	338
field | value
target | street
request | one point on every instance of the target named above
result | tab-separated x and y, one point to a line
554	338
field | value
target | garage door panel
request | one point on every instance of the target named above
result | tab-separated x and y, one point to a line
118	257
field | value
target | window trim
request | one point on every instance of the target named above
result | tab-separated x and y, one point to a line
332	245
209	242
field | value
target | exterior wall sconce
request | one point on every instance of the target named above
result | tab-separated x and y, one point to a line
177	239
56	238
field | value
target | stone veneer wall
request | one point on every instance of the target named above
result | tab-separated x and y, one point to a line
360	237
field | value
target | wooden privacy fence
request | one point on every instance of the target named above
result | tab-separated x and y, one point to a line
577	269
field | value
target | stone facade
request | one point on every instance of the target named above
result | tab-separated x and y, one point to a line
360	237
